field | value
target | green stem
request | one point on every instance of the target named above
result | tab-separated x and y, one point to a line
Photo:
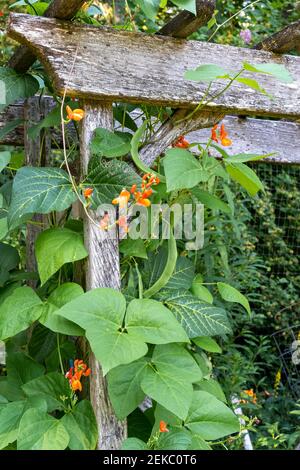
231	18
59	355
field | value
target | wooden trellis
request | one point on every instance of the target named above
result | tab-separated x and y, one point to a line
113	65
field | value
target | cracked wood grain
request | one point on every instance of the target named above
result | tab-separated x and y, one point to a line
136	67
24	58
102	270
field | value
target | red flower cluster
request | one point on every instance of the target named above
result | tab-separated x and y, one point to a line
221	135
75	374
181	143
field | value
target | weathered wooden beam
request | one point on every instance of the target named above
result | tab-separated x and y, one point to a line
186	23
258	136
137	67
248	134
23	57
103	270
283	41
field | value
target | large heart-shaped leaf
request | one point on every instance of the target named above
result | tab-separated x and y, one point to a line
170	383
182	170
18	311
210	418
124	387
39	190
81	426
40	431
65	246
101	313
198	318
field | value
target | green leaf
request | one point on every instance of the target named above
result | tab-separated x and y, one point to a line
189	5
182	170
57	299
153	323
110	144
124	387
200	291
132	443
51	387
230	294
81	426
3	231
9	127
251	83
175	439
18	311
108	179
197	318
247	157
52	119
39	190
39	431
17	86
198	443
213	387
101	313
38	9
4	159
149	7
20	370
135	248
245	176
64	245
10	416
183	274
170	383
211	201
9	259
154	266
206	73
276	70
208	344
210	418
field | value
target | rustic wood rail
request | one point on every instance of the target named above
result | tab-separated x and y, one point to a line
136	67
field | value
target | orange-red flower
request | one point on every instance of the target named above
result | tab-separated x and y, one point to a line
163	427
141	200
88	192
181	142
74	115
123	199
225	141
214	133
75	373
223	135
251	394
133	188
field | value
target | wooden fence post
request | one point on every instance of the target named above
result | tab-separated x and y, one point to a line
102	271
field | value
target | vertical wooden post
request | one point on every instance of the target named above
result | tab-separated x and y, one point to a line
102	271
